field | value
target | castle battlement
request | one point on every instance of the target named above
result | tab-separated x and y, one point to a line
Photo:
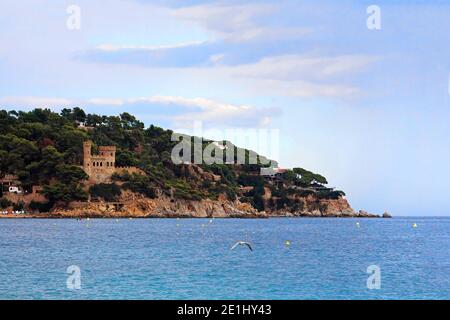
107	148
130	170
99	167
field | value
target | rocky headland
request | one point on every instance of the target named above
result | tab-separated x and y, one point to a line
75	165
131	205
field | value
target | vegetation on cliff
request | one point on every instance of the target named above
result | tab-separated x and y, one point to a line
44	148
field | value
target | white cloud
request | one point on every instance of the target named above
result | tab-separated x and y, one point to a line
114	48
200	109
212	113
265	34
237	23
295	67
217	58
36	102
298	75
304	89
106	101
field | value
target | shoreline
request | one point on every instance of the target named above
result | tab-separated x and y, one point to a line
128	217
137	206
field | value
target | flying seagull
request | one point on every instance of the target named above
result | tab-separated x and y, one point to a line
241	243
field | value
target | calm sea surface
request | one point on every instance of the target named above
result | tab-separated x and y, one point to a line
191	258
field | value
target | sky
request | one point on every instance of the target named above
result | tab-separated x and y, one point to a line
368	108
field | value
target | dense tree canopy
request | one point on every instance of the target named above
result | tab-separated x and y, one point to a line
45	148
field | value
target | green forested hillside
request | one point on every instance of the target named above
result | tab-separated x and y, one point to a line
44	148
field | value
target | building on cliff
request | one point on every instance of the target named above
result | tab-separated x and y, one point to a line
99	167
9	180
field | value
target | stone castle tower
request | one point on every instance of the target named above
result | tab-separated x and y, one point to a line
99	167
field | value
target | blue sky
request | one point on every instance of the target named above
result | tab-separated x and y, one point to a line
369	109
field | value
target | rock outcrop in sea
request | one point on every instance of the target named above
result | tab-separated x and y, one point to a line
386	215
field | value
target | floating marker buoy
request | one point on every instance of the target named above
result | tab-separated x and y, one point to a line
87	219
117	220
210	221
357	224
287	243
415	225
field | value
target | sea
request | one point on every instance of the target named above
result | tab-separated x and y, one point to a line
291	258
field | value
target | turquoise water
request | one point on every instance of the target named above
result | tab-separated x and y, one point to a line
156	259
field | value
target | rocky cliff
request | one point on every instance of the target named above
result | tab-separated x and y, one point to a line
150	183
138	206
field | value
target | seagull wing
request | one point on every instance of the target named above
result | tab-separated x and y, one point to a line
248	245
235	245
240	243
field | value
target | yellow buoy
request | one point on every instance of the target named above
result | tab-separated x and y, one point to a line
287	243
415	225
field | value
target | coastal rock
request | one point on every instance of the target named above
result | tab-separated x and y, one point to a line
138	206
387	215
365	214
